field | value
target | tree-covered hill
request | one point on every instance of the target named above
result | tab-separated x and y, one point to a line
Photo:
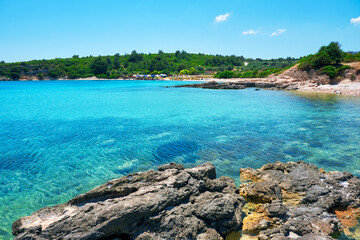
328	61
116	66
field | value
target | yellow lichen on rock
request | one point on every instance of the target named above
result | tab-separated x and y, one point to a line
248	237
291	199
256	218
255	222
350	220
248	174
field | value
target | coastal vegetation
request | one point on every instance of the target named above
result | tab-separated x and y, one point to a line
116	66
258	68
352	57
264	72
328	61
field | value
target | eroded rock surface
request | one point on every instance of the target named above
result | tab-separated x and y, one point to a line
277	202
172	203
312	203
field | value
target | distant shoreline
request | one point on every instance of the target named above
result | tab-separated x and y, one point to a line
345	87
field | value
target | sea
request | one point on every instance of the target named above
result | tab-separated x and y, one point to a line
59	139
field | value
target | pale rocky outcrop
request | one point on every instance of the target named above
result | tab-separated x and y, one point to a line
172	203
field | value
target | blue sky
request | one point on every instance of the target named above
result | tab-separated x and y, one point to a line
43	29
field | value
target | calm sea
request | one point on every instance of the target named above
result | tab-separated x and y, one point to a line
62	138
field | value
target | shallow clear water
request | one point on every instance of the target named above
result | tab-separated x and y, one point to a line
62	138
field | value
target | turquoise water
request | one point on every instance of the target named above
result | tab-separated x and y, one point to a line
62	138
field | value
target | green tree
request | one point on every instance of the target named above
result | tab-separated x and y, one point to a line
181	67
225	74
193	71
108	60
184	72
56	72
99	66
334	52
135	57
117	61
73	74
14	73
320	60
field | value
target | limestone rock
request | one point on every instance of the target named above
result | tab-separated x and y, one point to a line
262	192
172	203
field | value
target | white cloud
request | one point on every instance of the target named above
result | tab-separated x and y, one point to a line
251	31
355	21
222	18
278	32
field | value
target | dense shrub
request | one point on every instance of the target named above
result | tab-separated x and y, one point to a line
248	74
14	73
102	76
334	52
268	72
193	71
184	72
320	60
225	74
328	70
73	75
305	66
56	72
340	70
99	66
40	76
352	57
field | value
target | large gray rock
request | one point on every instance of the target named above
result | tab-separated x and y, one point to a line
172	203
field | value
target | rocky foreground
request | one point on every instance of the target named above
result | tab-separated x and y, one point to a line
277	202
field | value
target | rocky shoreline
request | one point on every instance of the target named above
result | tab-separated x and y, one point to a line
241	85
295	79
277	202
